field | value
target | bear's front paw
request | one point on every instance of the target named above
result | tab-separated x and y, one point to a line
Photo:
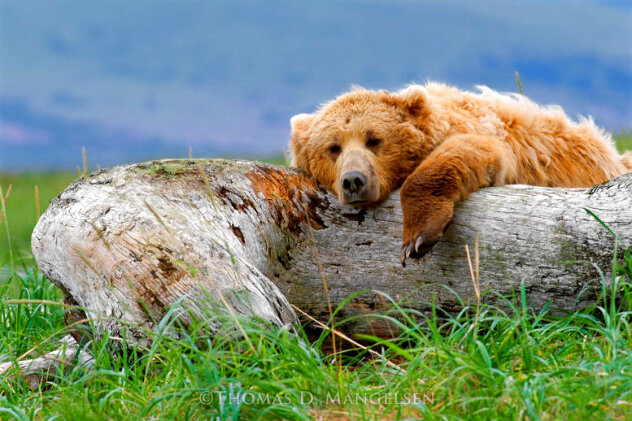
424	223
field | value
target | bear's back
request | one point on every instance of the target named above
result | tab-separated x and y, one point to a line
550	149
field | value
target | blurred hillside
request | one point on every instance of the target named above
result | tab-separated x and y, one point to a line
146	79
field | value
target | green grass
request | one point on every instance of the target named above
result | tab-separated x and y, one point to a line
624	141
512	364
490	364
21	204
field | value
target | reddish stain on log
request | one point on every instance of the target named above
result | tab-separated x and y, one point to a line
293	198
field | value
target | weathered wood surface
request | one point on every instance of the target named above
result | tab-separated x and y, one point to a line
129	242
68	355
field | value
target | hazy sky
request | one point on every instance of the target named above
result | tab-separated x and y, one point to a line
146	79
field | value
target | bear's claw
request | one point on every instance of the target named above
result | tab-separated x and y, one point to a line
408	248
415	248
419	241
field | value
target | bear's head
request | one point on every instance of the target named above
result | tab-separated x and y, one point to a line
362	145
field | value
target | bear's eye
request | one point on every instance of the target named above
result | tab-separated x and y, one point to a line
373	142
334	151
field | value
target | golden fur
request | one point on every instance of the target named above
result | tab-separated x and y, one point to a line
440	144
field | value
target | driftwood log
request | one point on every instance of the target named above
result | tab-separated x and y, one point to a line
129	242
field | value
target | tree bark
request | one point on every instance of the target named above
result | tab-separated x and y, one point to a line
129	242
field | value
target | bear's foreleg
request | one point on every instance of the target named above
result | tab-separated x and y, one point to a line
460	165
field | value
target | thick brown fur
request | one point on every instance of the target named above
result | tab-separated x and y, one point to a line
440	144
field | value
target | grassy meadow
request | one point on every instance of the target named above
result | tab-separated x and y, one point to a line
483	363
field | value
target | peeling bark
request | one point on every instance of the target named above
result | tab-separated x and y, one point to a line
129	242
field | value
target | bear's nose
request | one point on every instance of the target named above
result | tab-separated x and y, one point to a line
353	186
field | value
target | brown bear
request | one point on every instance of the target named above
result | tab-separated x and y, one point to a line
440	144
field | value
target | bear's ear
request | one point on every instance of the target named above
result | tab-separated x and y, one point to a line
300	124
